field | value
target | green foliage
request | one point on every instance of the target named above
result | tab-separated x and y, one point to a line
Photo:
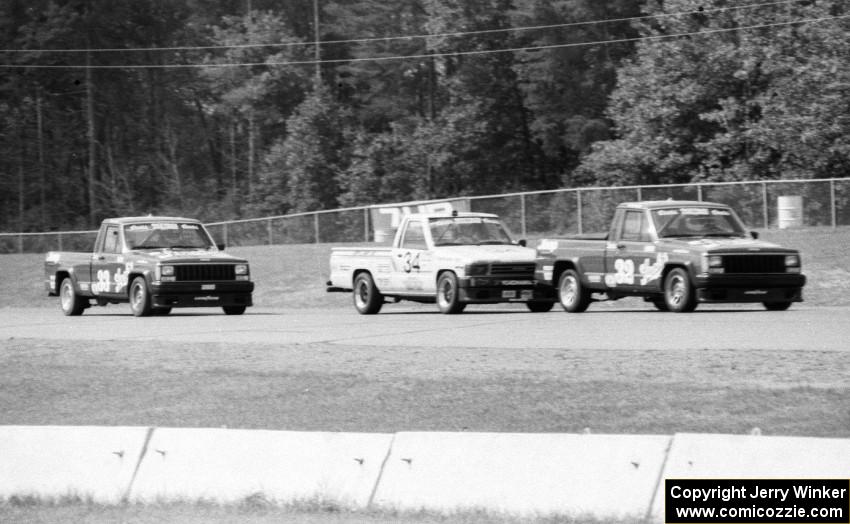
487	101
737	102
300	171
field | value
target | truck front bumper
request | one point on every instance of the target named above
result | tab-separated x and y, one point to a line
475	290
199	294
786	287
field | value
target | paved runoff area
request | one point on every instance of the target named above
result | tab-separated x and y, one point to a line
602	327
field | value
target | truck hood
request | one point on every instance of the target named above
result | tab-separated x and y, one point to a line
487	253
724	245
185	255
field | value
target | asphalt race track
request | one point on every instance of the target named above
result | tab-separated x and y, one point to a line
602	327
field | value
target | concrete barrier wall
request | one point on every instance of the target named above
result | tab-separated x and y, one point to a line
51	462
227	465
612	476
603	475
751	456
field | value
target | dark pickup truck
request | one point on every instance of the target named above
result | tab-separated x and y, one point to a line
675	254
154	263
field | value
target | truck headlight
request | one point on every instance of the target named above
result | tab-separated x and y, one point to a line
165	273
241	269
712	264
792	263
476	269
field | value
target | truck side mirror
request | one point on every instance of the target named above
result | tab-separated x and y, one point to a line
754	234
220	247
522	242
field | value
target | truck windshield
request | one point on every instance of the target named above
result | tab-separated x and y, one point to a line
696	222
459	231
166	235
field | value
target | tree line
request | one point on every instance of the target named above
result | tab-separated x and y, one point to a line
230	109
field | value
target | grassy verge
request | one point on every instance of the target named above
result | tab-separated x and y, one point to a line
251	511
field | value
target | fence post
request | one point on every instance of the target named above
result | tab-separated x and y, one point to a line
522	215
639	194
365	224
699	192
832	202
578	210
764	203
224	235
316	225
269	229
60	241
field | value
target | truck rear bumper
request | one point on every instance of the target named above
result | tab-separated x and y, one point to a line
185	294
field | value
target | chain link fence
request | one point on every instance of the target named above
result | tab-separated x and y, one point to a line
821	202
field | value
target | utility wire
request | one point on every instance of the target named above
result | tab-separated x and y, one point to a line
407	37
430	55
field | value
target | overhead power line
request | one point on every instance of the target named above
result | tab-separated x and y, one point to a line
407	37
433	55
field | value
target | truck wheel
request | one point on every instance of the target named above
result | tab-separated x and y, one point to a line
573	296
72	304
539	306
777	306
140	299
448	294
234	310
678	292
367	299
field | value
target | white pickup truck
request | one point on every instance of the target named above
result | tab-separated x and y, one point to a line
452	259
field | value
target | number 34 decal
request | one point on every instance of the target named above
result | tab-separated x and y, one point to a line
411	262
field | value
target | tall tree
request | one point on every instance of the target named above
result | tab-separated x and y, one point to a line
731	97
300	172
566	84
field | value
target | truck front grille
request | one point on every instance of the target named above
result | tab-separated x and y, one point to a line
204	272
520	269
737	264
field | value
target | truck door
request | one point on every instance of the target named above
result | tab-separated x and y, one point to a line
408	275
108	270
630	253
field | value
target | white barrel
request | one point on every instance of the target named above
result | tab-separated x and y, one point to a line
790	211
382	236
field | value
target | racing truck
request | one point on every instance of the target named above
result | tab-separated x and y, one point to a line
674	254
453	259
152	263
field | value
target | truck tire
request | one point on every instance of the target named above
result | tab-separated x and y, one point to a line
72	304
573	296
678	292
234	310
448	294
776	306
539	306
140	298
367	299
